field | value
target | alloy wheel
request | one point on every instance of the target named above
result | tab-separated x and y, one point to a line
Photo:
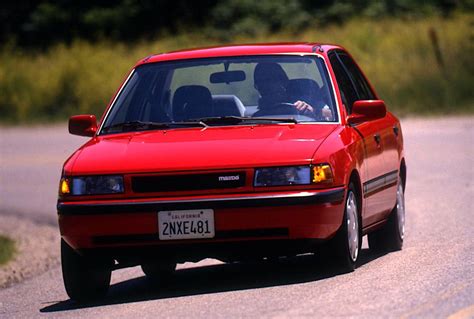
352	226
401	211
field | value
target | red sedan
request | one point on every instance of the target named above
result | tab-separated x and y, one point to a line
235	153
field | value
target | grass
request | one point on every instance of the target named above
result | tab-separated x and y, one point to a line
7	249
396	55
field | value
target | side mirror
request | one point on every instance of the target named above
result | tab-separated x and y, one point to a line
367	110
83	125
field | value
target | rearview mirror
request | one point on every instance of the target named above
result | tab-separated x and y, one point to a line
367	110
83	125
227	77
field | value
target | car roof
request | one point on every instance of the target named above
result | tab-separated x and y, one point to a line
239	50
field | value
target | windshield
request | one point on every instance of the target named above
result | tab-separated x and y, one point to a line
224	91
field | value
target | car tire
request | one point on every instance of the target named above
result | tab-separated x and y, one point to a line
390	236
84	279
159	272
343	249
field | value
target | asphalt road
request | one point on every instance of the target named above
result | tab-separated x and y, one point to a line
432	277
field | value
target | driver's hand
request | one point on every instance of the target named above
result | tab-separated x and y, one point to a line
326	113
303	107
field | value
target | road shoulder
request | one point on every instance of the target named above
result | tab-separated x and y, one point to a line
37	249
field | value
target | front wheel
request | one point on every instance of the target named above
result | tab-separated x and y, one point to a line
84	279
344	248
390	236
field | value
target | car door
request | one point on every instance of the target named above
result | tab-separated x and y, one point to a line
373	133
388	130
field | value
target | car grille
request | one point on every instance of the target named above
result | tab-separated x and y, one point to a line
194	182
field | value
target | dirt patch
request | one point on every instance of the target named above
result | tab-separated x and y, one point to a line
37	249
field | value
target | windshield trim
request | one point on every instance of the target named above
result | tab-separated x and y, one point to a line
325	63
112	104
333	87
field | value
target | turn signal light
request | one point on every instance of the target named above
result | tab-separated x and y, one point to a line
322	173
64	187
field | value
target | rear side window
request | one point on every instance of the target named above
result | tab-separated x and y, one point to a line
346	86
362	87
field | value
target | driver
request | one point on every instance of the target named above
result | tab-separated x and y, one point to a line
270	80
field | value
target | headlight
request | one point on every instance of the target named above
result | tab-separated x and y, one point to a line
293	175
92	185
282	176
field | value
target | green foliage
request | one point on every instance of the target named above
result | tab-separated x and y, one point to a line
42	23
109	21
249	17
396	55
7	249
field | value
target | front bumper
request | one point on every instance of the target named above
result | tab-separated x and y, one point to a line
126	224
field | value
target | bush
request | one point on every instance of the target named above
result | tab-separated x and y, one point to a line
249	17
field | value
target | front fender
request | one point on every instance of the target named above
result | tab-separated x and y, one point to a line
344	150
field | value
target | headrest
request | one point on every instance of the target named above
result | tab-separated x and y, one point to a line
269	71
192	101
302	87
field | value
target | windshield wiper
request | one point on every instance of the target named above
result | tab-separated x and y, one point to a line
204	122
240	119
141	125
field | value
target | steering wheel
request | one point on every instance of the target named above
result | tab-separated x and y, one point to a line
282	109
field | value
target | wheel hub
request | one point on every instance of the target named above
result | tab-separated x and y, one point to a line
401	211
352	226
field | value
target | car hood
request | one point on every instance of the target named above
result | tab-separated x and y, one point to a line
201	149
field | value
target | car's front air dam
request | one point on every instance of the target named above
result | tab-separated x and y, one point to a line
318	220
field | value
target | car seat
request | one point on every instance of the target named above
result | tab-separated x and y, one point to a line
192	102
227	105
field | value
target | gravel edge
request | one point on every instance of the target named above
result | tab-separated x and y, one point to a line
37	249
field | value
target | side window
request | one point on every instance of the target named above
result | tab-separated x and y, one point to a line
346	87
363	88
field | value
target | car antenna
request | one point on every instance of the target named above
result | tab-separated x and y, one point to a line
318	48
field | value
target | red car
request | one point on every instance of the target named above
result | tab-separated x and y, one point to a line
236	153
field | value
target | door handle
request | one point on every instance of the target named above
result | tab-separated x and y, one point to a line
377	138
396	130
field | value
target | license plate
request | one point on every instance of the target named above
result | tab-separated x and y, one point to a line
186	224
